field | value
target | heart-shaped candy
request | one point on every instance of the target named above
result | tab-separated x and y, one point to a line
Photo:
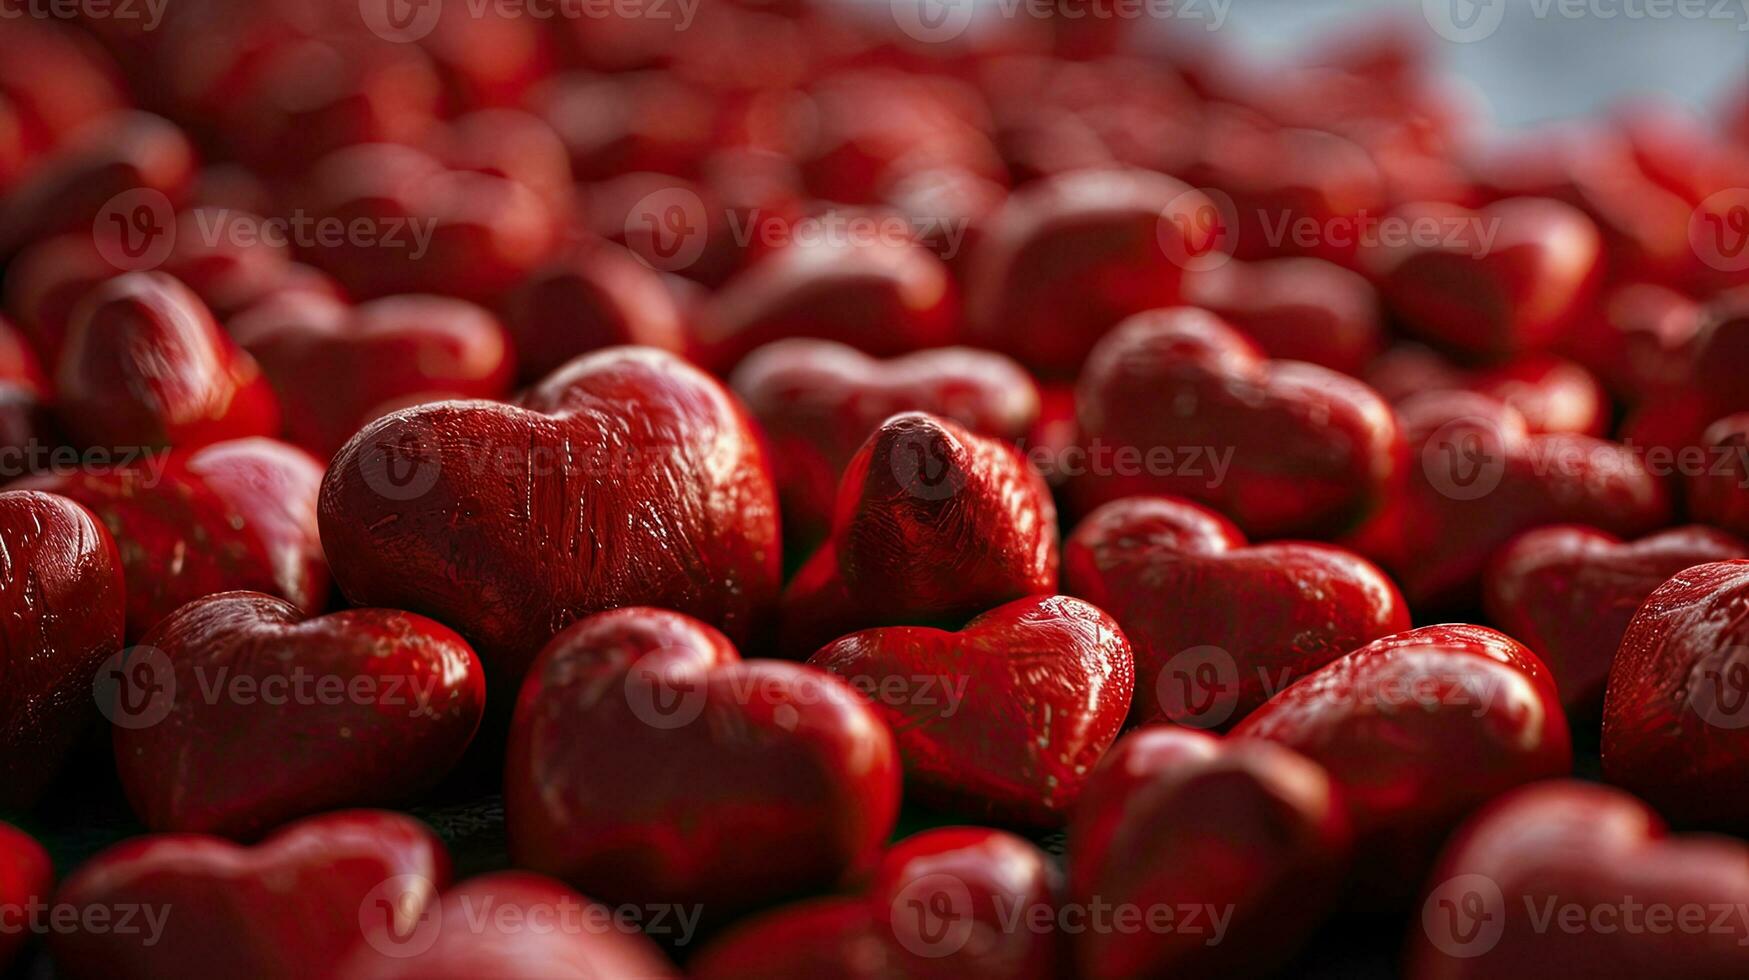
1218	626
1178	402
627	477
290	907
365	707
730	784
1003	719
933	525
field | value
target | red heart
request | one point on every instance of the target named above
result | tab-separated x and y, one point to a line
1553	394
817	402
512	925
1003	719
1574	879
883	297
1069	256
1297	309
1218	626
337	368
292	906
1717	490
367	707
1509	278
1389	722
946	903
730	783
628	477
146	366
1252	836
1569	592
933	525
62	588
27	881
592	296
1676	715
1177	402
238	515
1479	478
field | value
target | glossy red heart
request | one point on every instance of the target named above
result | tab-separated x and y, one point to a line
1506	279
367	707
27	881
882	297
62	588
933	525
1717	489
337	368
292	906
1297	309
229	516
1636	339
1218	625
146	366
1675	718
1068	257
1709	384
627	477
1552	393
817	401
593	295
1395	721
1478	478
946	903
1253	837
511	925
731	784
1177	402
1002	719
1568	592
1574	879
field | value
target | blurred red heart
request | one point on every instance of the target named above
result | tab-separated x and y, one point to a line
731	784
27	881
1218	626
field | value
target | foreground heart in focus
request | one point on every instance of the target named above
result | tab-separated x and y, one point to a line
1568	593
817	401
1218	626
1478	478
1003	719
1676	716
1178	402
337	368
1389	722
367	707
512	925
237	515
1251	835
1575	879
947	903
145	366
933	525
728	783
291	907
628	477
62	587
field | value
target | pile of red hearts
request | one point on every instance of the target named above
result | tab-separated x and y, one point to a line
730	434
